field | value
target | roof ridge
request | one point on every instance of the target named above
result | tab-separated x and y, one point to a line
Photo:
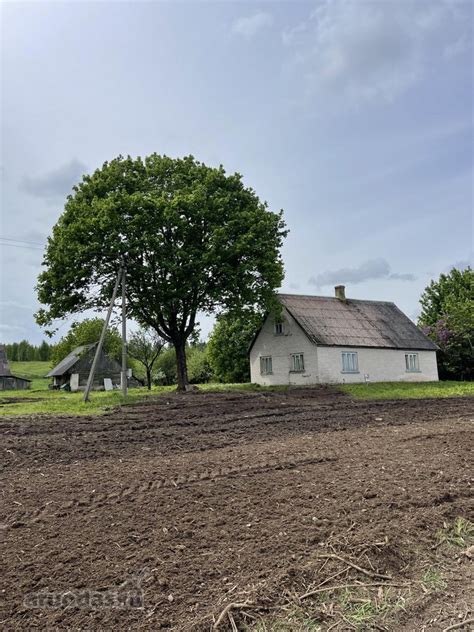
334	298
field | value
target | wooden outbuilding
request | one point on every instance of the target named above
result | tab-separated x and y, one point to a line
8	381
72	372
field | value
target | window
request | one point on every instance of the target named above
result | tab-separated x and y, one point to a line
266	365
297	362
411	362
350	362
278	328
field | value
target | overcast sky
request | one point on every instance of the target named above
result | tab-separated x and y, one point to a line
355	118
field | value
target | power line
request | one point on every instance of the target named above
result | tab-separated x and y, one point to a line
20	246
21	243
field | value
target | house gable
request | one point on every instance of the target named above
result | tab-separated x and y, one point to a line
292	340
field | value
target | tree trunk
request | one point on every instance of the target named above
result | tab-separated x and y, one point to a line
148	378
181	366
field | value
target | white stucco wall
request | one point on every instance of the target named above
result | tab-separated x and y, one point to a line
381	365
280	347
324	364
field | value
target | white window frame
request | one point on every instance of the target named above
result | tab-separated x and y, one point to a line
278	328
297	363
266	366
350	362
412	363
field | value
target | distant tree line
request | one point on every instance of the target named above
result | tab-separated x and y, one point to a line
24	351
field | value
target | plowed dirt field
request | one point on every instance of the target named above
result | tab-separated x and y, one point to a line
237	504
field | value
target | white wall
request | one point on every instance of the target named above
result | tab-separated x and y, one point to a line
324	364
293	340
381	365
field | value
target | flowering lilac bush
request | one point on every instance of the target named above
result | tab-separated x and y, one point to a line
447	317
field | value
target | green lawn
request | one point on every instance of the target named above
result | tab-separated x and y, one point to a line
40	400
408	390
34	371
61	403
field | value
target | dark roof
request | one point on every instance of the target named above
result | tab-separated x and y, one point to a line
4	368
69	361
15	377
330	321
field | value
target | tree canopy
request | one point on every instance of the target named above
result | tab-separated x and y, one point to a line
193	239
447	317
84	333
229	344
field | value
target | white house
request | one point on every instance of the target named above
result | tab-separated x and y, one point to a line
321	339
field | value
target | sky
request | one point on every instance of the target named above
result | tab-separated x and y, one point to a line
354	117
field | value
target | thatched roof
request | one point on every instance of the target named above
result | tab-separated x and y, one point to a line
331	321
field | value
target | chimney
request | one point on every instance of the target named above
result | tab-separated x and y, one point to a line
340	292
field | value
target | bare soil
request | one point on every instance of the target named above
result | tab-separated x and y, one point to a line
206	499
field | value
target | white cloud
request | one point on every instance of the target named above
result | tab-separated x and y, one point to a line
249	26
362	51
367	271
55	184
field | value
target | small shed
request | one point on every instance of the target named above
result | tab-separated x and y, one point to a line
9	382
73	371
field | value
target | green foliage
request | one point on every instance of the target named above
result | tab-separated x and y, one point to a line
408	390
438	298
229	344
87	332
447	317
24	351
363	610
199	369
193	239
44	352
460	533
433	580
165	367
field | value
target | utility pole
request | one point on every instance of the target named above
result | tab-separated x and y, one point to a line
90	379
124	330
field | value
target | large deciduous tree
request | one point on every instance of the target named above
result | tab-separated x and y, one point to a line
447	317
193	239
229	342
